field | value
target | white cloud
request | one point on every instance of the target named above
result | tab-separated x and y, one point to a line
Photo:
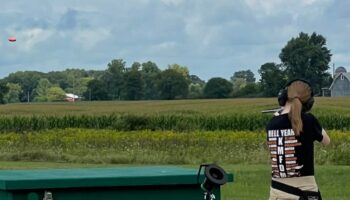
309	2
267	6
165	45
294	7
213	37
89	38
27	39
172	2
202	34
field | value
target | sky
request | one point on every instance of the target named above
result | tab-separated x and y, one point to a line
213	38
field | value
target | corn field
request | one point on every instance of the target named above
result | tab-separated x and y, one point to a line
175	121
158	132
182	115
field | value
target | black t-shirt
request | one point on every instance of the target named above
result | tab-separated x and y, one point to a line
291	155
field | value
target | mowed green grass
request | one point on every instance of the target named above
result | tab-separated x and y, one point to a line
251	182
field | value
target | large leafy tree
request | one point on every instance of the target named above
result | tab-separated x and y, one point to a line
272	79
28	81
195	91
196	80
73	80
96	90
172	84
180	69
136	66
12	96
42	90
246	75
196	87
114	78
3	90
58	78
56	93
77	80
241	80
150	72
218	88
249	90
133	83
307	57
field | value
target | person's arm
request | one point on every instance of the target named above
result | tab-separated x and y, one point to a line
326	140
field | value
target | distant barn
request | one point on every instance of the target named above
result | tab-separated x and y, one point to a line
71	97
341	83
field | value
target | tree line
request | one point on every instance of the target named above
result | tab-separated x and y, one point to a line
305	56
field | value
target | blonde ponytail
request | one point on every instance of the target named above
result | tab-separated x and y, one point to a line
298	93
295	115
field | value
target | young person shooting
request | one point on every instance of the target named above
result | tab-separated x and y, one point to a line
290	137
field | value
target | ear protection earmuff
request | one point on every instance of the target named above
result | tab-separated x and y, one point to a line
283	96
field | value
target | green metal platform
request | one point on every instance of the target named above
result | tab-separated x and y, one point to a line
129	183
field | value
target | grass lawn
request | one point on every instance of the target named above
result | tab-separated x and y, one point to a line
251	181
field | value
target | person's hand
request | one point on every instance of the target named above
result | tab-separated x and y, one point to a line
326	140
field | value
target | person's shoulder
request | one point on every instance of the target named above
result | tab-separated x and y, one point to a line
309	118
271	122
275	120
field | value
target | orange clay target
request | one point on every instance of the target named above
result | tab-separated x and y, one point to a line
12	39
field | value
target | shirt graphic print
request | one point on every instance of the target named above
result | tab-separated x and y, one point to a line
282	144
